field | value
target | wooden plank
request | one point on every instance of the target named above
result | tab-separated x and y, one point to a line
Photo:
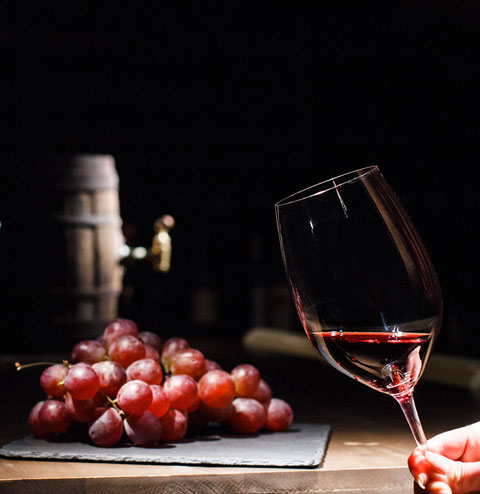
392	481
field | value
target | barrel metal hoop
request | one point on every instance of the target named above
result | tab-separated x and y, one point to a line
99	291
88	220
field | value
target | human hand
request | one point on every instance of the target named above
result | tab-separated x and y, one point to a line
449	464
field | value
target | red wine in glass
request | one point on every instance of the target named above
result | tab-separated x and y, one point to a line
363	284
389	362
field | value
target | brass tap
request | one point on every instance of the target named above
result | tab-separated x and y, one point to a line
161	250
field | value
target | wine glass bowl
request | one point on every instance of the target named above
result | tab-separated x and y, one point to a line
363	284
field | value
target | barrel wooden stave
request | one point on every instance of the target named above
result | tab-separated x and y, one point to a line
87	225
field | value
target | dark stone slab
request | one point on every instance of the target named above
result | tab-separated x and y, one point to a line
303	445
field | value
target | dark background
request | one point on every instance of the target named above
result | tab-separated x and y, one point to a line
215	110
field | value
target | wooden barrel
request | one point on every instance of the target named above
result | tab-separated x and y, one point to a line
86	241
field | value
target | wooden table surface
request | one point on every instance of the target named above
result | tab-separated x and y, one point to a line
367	452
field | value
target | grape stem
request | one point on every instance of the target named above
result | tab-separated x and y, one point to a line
20	366
114	405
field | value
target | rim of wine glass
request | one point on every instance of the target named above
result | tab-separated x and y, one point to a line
312	191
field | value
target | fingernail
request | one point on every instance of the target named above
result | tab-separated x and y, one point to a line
421	479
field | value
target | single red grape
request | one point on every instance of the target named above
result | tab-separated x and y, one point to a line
190	362
263	393
174	426
143	430
182	391
126	349
151	339
246	378
216	388
248	416
52	380
147	370
279	415
111	376
211	365
38	430
160	402
135	397
88	351
82	381
118	327
152	353
54	417
170	348
107	429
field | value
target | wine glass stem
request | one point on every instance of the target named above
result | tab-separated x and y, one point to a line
407	404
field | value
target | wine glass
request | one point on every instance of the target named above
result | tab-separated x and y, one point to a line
363	284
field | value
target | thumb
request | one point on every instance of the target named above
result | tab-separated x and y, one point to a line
462	477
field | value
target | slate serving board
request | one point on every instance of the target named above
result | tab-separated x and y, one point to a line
303	445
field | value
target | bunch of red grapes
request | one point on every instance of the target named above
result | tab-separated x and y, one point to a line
129	384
